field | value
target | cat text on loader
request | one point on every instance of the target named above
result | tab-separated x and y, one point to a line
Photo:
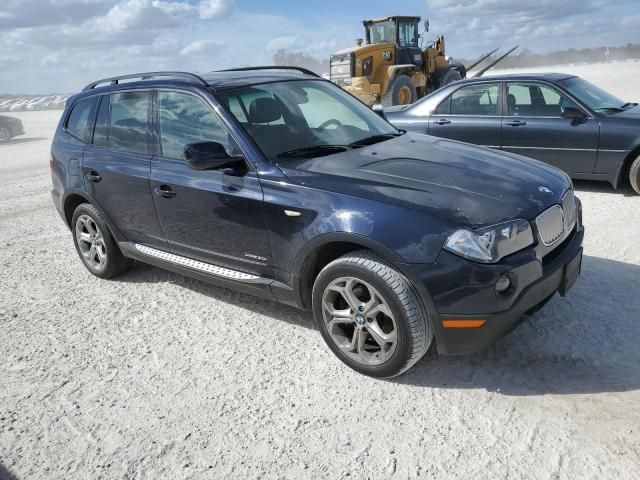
391	68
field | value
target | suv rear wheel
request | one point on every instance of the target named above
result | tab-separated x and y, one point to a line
634	175
95	245
369	315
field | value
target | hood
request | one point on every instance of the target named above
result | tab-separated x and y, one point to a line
454	181
633	112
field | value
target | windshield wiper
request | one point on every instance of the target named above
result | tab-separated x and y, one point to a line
629	105
375	139
313	150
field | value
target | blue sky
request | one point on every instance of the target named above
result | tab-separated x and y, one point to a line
60	45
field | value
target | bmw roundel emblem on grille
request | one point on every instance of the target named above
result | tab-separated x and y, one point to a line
545	190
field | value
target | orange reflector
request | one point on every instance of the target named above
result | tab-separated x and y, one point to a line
463	323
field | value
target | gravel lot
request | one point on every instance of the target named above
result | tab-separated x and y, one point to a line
153	375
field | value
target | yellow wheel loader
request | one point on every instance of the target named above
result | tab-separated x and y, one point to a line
391	68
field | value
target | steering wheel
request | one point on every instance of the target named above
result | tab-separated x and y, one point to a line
331	121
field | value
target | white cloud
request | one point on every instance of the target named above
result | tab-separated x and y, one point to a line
215	8
281	43
60	45
202	46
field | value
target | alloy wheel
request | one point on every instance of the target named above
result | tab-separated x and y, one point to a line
91	242
359	320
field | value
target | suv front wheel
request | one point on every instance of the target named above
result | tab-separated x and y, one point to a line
95	245
369	315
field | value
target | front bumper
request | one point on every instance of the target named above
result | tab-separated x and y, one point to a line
447	297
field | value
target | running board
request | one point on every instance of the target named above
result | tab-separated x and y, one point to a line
195	264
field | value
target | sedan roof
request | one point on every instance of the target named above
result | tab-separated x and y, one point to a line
552	77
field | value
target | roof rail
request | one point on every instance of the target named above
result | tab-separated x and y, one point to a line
272	67
145	76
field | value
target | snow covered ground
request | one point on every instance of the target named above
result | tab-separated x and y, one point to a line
153	375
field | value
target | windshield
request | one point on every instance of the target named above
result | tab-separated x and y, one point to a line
382	32
307	114
592	96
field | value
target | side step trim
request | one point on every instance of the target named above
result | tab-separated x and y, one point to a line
195	264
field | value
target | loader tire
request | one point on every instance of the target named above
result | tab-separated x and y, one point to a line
401	92
448	76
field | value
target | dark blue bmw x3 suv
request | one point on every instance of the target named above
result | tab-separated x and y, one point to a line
277	183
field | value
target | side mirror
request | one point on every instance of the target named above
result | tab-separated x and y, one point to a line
572	113
378	109
209	156
426	26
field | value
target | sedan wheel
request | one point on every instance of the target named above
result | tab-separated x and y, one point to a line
5	134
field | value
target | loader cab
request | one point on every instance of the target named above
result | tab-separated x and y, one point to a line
401	31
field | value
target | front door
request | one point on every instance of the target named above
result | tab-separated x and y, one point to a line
533	126
116	166
214	216
470	114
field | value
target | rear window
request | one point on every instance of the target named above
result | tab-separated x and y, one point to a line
122	122
80	121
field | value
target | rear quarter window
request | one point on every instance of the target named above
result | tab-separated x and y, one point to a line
80	120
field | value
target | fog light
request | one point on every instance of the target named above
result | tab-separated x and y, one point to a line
503	284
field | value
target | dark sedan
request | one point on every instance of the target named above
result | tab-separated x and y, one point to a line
559	119
10	127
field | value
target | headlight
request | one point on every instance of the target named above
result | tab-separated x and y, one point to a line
490	244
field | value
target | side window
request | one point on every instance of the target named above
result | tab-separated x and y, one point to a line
408	34
481	99
122	122
444	108
186	119
535	100
128	121
80	121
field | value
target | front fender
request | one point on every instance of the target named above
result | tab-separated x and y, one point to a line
399	234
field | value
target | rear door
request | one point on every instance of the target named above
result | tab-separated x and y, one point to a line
533	126
470	114
116	165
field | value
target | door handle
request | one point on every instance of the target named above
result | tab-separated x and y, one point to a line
164	191
443	121
516	123
94	176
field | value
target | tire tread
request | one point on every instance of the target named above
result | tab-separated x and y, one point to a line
420	329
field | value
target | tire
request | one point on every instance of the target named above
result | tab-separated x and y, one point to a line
448	76
382	306
5	134
634	175
462	70
95	245
401	86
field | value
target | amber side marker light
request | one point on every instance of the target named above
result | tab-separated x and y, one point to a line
463	323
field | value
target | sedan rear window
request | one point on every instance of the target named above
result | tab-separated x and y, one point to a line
479	99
